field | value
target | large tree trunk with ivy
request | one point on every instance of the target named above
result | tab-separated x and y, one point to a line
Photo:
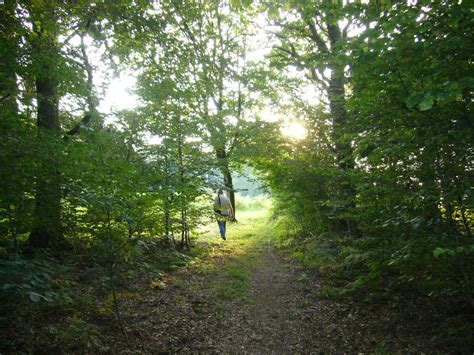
47	229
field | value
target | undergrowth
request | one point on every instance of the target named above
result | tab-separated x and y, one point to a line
67	303
72	303
378	271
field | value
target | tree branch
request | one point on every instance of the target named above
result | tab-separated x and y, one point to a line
291	52
4	97
346	29
318	78
317	38
84	122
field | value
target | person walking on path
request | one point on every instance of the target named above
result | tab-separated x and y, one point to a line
223	211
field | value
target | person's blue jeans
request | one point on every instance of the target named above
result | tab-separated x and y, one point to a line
222	228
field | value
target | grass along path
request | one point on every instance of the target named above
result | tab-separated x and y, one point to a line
256	292
241	295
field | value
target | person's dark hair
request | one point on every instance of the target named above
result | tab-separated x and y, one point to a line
220	192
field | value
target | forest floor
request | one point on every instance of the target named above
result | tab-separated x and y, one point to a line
244	296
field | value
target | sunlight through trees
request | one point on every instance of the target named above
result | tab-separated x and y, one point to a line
355	117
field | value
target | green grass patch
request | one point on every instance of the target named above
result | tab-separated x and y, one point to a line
235	284
246	203
231	263
303	303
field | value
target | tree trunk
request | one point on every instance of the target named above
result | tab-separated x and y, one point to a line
184	215
167	207
430	190
8	60
337	105
224	167
47	230
91	96
230	187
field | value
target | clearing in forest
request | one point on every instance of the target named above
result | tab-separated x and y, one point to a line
243	295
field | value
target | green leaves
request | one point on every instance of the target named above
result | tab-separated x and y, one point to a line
273	12
467	250
241	3
449	91
412	176
442	251
467	83
36	297
414	99
422	101
426	103
404	174
29	279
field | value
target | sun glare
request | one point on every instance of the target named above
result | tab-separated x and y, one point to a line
294	130
118	96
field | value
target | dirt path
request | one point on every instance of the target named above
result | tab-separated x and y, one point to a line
189	316
257	301
238	296
272	320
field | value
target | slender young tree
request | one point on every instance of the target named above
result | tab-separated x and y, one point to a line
193	56
216	34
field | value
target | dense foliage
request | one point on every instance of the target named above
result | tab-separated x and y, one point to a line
378	193
409	118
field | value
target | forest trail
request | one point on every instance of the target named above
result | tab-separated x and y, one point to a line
246	296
